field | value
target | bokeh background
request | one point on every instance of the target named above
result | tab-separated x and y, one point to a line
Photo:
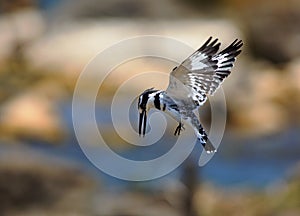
45	44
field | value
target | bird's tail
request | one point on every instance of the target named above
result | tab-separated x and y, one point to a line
202	136
200	132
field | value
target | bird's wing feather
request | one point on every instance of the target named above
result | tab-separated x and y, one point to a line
203	72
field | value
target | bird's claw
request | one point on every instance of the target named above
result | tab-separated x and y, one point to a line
178	129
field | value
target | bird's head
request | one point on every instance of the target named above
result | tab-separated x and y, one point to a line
144	104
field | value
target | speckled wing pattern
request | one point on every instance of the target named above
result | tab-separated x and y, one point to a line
204	71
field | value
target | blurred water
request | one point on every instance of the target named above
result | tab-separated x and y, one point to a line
251	163
49	4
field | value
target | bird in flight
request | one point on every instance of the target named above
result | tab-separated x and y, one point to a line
190	83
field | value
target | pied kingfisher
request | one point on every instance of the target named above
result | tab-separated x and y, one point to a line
189	84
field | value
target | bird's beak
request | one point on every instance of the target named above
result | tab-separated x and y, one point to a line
142	120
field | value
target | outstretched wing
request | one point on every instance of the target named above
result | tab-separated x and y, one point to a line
203	72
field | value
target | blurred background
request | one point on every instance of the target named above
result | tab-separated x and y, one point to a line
45	44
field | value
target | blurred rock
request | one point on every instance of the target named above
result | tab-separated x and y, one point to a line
30	186
263	99
260	119
156	9
16	5
134	203
272	32
78	42
32	115
20	27
283	200
294	73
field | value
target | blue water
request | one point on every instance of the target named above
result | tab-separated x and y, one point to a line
251	163
251	170
48	4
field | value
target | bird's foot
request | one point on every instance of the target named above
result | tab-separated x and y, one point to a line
178	129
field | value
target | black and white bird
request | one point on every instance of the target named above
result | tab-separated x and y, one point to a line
196	77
